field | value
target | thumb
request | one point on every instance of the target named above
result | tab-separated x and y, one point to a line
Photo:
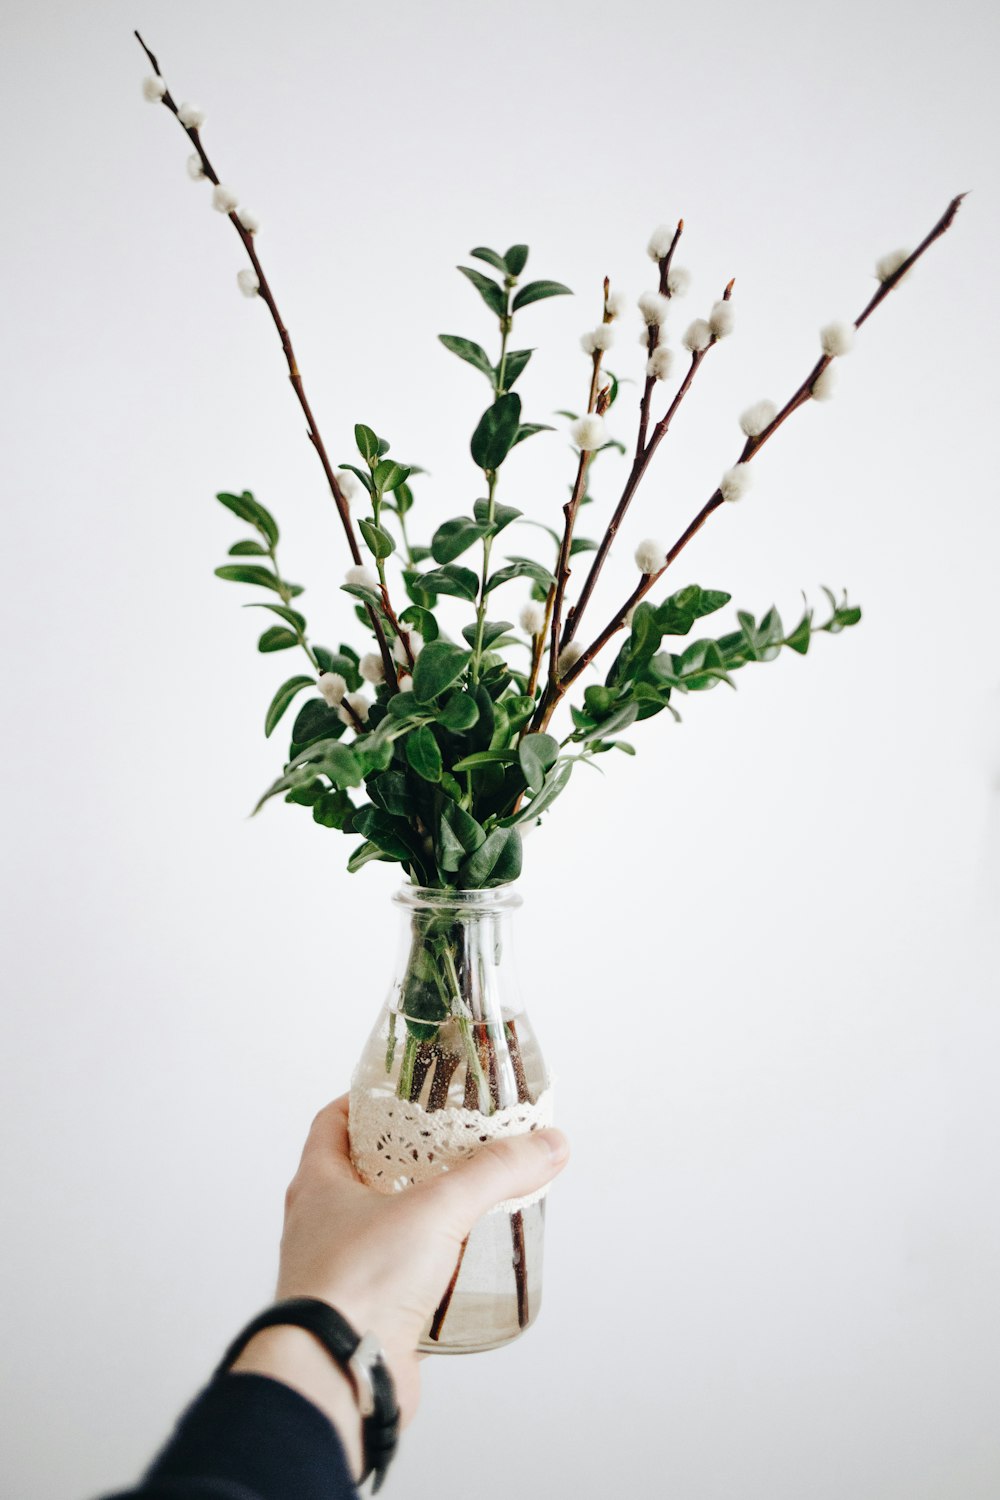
511	1168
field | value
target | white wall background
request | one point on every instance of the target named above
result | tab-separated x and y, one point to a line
762	956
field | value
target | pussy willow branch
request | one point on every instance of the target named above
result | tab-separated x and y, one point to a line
653	340
751	448
640	465
294	375
554	597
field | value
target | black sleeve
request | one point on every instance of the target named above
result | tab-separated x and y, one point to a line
248	1437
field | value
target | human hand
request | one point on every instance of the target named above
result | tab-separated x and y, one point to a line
384	1261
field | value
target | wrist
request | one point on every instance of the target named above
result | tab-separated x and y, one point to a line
293	1356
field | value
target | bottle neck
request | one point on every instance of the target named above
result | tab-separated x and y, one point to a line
456	956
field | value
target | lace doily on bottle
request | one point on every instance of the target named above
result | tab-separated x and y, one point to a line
396	1143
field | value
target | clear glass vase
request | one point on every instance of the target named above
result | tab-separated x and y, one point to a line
452	1063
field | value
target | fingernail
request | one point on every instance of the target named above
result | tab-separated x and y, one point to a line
556	1142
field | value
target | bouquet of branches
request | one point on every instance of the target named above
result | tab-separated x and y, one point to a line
435	744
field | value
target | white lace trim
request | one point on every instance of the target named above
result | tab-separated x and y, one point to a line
396	1143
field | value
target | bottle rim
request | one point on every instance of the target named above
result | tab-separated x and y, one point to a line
494	898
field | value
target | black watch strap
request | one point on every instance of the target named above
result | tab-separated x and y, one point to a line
362	1361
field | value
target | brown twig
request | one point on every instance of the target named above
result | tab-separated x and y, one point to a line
750	449
558	590
294	375
437	1322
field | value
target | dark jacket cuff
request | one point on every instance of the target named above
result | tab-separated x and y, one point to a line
253	1433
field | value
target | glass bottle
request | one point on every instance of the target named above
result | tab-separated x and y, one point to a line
451	1063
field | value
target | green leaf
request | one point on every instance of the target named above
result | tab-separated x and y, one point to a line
516	259
404	706
459	713
519	708
332	809
391	791
535	291
496	432
249	573
497	861
389	476
537	753
676	615
439	664
341	764
492	631
249	509
282	698
248	549
486	758
459	835
528	429
291	615
555	783
460	582
368	444
581	544
503	515
315	720
277	638
513	367
380	543
494	296
366	479
522	568
421	619
801	635
472	353
490	257
424	753
454	537
364	855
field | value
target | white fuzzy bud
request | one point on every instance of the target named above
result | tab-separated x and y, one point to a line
678	280
333	687
660	241
824	384
589	432
628	617
650	556
698	336
191	117
660	363
757	417
735	482
654	307
616	304
153	88
837	338
249	221
248	281
890	264
348	484
568	657
195	170
361	577
371	667
532	617
599	338
223	198
359	703
722	319
416	641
